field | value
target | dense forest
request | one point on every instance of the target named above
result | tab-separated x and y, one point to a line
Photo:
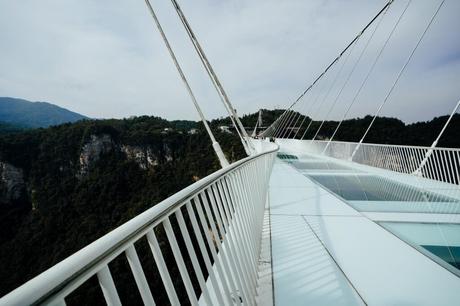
385	130
64	186
9	128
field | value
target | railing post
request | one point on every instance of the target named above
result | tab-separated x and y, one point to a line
180	262
108	287
139	275
162	268
192	254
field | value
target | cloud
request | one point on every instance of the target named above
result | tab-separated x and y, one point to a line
106	59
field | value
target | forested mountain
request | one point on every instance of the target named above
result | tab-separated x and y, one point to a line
385	130
9	128
65	186
24	113
185	124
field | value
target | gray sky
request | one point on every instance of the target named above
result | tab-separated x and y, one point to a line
105	58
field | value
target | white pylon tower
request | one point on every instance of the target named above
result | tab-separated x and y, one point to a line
258	124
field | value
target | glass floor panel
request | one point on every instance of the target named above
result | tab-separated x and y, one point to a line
308	156
439	241
375	188
319	165
451	255
406	207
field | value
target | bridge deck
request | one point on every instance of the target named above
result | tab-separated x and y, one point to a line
324	252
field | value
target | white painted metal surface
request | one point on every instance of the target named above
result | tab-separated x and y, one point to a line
441	165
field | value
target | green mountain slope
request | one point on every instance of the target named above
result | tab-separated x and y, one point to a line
34	114
65	186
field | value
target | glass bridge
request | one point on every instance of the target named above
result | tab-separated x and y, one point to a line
297	222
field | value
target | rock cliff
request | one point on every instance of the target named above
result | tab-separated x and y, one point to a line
92	150
12	184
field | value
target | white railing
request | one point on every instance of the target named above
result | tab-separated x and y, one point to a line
220	223
439	164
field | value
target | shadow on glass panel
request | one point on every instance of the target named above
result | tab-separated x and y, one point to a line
287	157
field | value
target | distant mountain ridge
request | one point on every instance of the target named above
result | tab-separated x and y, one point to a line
29	114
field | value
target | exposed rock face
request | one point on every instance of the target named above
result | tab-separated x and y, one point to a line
168	153
146	156
92	150
143	156
12	184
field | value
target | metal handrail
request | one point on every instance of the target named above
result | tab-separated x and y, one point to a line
438	164
389	145
236	201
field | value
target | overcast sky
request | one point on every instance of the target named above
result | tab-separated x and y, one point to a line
106	59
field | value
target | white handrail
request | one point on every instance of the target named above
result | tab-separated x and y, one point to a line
442	164
389	145
235	196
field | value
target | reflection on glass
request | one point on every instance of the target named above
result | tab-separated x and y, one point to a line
318	165
451	254
376	188
368	191
440	240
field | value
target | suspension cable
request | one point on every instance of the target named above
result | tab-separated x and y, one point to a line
327	93
301	110
435	142
272	128
286	117
311	118
288	123
223	161
366	78
289	120
213	76
339	56
355	65
307	111
281	120
278	122
337	75
340	91
398	77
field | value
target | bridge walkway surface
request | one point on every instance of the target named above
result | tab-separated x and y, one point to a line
324	252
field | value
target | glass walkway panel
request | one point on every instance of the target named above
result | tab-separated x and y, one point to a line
370	235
